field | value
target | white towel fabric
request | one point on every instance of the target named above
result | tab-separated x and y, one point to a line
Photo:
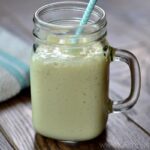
14	64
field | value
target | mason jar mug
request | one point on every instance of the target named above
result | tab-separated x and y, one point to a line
70	73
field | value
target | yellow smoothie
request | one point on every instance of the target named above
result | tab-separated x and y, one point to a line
69	90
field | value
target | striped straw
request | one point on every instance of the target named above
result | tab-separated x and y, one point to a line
84	19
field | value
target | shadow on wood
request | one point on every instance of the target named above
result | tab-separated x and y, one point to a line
23	97
95	144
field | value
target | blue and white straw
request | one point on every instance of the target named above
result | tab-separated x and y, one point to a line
84	19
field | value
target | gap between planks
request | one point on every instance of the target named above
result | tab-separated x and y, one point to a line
9	140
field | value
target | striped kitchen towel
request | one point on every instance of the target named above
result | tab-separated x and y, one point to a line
14	64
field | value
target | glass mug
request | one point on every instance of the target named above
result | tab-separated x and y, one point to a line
70	80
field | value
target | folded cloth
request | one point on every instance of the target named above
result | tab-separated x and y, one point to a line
14	64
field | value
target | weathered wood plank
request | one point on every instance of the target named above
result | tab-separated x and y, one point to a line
4	144
128	21
128	27
12	24
16	122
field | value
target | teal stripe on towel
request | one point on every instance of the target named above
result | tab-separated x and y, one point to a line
13	71
15	61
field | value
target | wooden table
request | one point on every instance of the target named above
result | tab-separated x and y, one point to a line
128	28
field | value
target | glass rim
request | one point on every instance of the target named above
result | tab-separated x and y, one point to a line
37	19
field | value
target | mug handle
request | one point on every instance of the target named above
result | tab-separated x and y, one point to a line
128	58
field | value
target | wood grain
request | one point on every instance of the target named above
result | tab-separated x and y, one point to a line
128	28
4	145
141	110
16	122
